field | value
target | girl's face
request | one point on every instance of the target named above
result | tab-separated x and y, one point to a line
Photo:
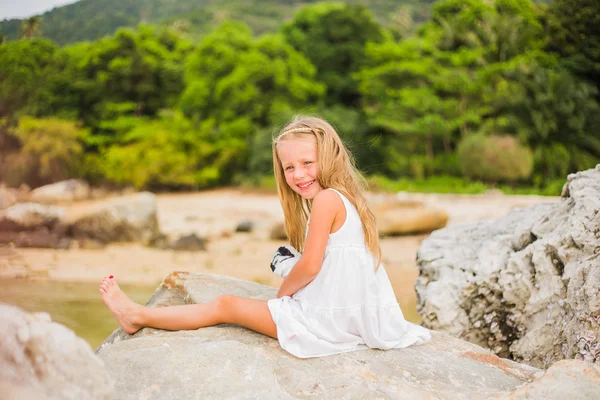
299	162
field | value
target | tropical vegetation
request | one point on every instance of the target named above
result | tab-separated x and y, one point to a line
460	95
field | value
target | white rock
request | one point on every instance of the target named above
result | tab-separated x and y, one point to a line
64	191
43	359
509	273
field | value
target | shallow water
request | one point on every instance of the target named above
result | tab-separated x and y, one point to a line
77	305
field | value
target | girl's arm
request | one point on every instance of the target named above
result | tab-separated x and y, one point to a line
326	206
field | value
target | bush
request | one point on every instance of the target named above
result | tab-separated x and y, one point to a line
494	158
51	150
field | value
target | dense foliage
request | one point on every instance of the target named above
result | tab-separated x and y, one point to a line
93	19
502	92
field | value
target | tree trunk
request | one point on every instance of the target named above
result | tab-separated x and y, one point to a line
429	147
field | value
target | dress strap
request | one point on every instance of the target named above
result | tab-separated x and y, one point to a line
344	198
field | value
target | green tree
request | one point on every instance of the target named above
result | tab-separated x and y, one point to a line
134	73
239	87
25	67
573	28
555	113
167	152
333	38
50	150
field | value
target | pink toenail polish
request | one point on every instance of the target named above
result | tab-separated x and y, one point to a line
110	277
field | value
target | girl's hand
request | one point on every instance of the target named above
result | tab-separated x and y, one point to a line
326	207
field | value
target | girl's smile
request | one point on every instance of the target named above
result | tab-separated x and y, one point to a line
299	162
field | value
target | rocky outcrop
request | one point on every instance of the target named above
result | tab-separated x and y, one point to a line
125	219
59	192
232	362
44	360
527	285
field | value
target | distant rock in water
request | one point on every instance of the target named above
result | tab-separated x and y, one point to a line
526	286
42	359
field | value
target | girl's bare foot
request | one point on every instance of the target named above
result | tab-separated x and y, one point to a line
123	308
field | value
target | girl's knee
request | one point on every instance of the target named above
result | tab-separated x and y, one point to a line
225	304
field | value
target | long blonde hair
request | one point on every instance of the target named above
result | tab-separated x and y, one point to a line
336	170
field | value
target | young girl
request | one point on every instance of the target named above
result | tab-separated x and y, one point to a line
337	297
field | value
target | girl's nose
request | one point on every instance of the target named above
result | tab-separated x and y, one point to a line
298	173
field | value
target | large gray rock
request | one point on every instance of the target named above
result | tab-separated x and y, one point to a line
125	219
566	379
42	359
29	216
64	191
232	362
33	225
527	285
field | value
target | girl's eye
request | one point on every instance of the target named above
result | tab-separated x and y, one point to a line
307	162
288	168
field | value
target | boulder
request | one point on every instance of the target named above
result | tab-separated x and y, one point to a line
566	379
125	219
227	361
245	226
8	197
30	216
64	191
34	225
525	286
42	359
400	218
189	242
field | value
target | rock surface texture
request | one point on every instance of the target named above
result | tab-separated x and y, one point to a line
226	361
526	286
42	359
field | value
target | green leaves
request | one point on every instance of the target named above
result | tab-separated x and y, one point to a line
160	111
333	37
495	158
51	150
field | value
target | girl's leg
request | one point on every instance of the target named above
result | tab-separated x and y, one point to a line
250	313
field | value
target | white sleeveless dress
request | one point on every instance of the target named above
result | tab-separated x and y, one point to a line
348	306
